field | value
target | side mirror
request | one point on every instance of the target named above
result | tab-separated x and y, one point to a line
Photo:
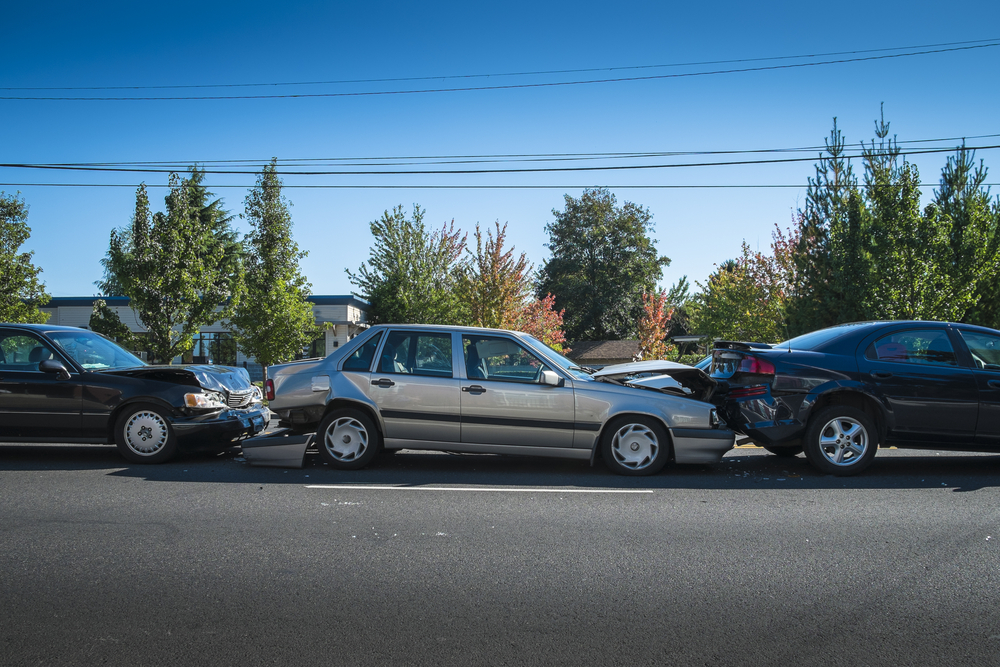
552	379
54	366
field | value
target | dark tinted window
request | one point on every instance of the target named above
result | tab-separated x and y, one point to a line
985	349
920	346
361	360
814	339
21	352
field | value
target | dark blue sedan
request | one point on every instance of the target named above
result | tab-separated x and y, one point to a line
838	394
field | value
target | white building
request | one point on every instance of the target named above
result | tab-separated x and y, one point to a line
343	315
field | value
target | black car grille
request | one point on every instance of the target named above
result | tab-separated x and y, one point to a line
239	399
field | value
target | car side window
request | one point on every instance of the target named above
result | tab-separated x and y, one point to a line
922	346
21	352
361	359
496	358
416	353
985	349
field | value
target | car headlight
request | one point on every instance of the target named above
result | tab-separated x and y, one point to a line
209	399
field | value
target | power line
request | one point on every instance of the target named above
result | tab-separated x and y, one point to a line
456	187
502	74
498	87
461	172
464	159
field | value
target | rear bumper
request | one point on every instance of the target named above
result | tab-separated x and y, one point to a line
219	429
695	445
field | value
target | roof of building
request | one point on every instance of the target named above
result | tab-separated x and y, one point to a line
604	349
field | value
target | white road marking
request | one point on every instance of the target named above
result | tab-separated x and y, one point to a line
468	488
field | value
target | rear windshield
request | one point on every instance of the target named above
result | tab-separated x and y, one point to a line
814	339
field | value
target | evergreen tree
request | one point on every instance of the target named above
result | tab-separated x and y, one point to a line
274	320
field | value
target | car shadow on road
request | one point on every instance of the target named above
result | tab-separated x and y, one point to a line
743	468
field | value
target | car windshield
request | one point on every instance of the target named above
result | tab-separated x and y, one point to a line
94	352
559	359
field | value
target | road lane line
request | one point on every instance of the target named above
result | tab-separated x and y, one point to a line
468	488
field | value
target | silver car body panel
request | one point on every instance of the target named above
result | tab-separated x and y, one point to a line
449	414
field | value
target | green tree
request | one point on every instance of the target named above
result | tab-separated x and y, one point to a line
105	320
274	320
21	292
412	274
743	300
602	262
495	282
180	269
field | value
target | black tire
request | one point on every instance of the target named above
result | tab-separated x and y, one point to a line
635	445
785	452
841	440
143	434
348	440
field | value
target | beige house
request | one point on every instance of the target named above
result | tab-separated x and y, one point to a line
599	353
345	317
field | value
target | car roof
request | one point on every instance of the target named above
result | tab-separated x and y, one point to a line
40	328
449	327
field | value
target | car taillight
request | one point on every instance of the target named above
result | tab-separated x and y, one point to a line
755	366
269	390
746	392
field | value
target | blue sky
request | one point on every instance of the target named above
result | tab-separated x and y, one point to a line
932	96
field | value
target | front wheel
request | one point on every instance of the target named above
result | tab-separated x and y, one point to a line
143	434
841	440
635	446
348	440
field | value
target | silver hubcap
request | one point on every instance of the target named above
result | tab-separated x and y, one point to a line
843	441
346	439
635	446
146	433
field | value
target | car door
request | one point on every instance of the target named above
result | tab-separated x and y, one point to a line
503	401
985	349
35	404
915	370
415	387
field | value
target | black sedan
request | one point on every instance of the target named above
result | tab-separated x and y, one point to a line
64	384
842	392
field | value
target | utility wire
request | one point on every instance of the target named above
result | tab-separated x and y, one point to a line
473	159
520	170
502	74
499	87
454	187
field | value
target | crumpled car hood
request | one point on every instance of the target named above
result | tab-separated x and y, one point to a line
213	378
645	374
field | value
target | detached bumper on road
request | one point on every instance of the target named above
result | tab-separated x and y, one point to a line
219	428
696	445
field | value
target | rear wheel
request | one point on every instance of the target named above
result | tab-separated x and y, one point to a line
348	440
841	440
635	446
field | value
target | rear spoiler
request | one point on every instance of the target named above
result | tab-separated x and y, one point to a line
742	347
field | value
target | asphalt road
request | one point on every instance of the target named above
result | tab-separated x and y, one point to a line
755	561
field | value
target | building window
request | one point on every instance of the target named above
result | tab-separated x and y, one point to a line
315	349
212	348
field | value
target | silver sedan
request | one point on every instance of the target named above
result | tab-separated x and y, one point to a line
466	389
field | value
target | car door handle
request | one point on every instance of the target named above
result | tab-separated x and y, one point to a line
994	383
475	389
879	375
385	383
